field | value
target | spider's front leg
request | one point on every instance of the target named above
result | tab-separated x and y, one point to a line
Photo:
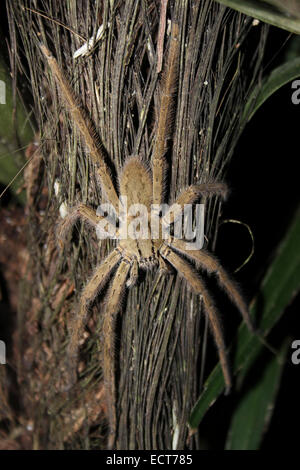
85	128
190	195
159	163
187	272
82	212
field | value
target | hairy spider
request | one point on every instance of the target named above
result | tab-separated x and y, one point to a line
142	186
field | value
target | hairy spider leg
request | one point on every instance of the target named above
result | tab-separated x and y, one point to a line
159	164
208	262
187	272
81	211
113	305
190	195
133	273
95	284
85	128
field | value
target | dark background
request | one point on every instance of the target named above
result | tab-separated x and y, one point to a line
264	182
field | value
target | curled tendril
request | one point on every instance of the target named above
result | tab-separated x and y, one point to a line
233	221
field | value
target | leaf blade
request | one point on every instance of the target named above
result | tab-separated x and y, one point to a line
14	133
255	407
277	78
265	13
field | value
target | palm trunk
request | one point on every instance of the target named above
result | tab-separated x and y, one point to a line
161	332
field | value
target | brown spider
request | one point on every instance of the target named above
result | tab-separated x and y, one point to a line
142	186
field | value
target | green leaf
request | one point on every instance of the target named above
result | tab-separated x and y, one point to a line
254	410
15	134
277	78
268	14
280	285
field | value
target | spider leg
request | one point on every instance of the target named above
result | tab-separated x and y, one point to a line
85	128
164	267
187	272
165	117
90	291
208	262
133	273
190	195
113	304
79	212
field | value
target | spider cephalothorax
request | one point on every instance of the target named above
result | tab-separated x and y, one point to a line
145	187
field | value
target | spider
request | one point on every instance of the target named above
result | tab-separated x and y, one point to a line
142	186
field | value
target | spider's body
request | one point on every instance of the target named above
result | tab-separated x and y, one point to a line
144	250
145	187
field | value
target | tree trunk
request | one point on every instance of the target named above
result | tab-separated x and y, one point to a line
161	331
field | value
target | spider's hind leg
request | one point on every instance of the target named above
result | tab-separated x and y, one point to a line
208	262
89	292
187	272
164	267
113	305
